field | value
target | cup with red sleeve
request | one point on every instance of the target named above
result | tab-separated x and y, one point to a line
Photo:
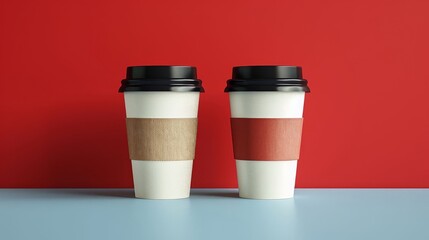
266	104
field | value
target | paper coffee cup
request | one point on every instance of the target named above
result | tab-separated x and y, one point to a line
266	121
162	107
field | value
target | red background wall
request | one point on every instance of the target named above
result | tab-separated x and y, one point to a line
61	62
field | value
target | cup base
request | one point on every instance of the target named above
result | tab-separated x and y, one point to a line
162	179
149	197
266	179
252	196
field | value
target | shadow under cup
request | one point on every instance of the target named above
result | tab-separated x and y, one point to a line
266	121
162	107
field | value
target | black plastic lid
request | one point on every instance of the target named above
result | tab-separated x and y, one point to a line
267	78
161	78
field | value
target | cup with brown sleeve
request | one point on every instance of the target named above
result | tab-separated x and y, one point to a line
266	105
161	105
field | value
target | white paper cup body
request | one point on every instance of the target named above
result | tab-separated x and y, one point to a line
266	179
162	179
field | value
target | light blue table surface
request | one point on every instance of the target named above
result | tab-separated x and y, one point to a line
214	214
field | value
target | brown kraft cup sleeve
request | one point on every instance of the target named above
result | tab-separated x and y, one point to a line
162	139
266	139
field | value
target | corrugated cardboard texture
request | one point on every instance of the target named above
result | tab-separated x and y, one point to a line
266	139
162	138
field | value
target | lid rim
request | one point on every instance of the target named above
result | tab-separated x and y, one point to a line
267	78
161	78
161	89
269	89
